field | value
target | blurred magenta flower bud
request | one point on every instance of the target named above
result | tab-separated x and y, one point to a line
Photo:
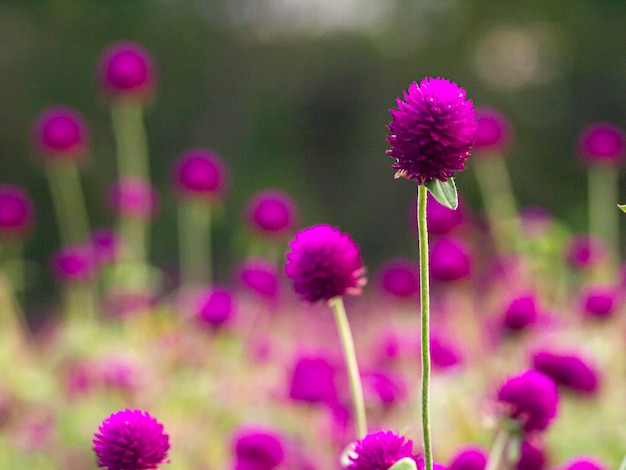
16	212
259	275
602	143
585	463
532	455
313	381
399	277
520	313
272	213
214	306
440	219
450	260
494	132
569	371
74	263
200	174
60	134
469	457
256	448
126	70
134	197
585	251
106	244
600	302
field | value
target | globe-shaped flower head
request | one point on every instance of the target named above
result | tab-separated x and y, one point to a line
431	131
16	211
200	174
130	440
271	213
380	450
493	133
602	142
126	70
324	263
60	133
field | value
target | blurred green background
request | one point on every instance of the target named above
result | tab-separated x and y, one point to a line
295	94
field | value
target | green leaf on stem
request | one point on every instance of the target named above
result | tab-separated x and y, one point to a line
622	207
444	193
407	463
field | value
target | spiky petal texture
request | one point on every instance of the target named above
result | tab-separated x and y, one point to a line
130	440
431	131
324	263
380	450
531	398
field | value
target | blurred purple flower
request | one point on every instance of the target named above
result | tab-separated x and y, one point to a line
200	174
431	131
602	142
442	353
494	133
324	263
520	313
74	263
130	440
380	450
313	381
568	371
272	213
585	251
106	244
134	197
259	275
450	260
399	277
60	133
530	398
469	458
441	220
532	456
16	211
584	463
126	70
599	302
257	449
214	306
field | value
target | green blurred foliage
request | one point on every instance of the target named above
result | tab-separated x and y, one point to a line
304	109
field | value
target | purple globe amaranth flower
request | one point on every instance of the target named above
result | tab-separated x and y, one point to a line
584	463
602	143
130	440
380	450
568	371
313	381
60	134
585	251
135	197
74	263
126	70
272	213
531	399
599	302
106	244
259	275
493	133
399	277
520	313
469	458
450	260
200	174
431	131
384	388
16	212
532	455
256	448
442	353
324	263
440	219
214	306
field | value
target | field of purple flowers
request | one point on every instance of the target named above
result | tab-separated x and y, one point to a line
141	367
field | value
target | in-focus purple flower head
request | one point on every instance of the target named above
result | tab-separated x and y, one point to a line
530	399
200	174
569	371
600	302
259	275
60	133
450	260
257	448
272	213
324	263
380	450
399	277
214	306
130	440
16	212
469	457
584	463
74	263
494	132
126	70
431	131
602	143
313	381
134	197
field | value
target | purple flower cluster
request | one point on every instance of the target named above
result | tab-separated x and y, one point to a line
380	450
130	440
324	263
431	131
568	371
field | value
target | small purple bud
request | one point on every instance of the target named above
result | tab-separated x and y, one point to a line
126	70
200	174
493	134
16	212
602	142
60	133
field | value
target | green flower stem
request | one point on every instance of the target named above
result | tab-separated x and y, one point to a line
422	194
347	343
622	466
194	240
499	200
603	196
499	450
130	137
68	202
13	265
79	302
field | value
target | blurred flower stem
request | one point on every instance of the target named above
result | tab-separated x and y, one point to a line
68	201
499	451
194	238
422	198
499	201
347	343
603	195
